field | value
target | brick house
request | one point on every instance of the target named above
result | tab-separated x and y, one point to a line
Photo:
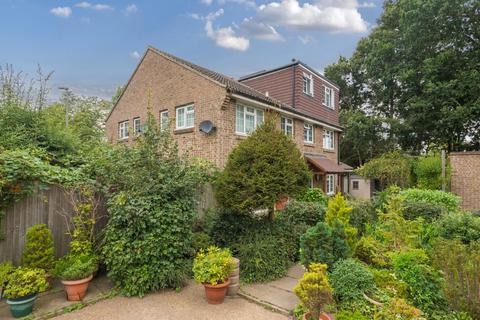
465	180
186	98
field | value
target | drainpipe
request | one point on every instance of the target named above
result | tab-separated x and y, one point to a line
293	84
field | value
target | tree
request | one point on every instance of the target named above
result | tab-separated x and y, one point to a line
391	168
262	169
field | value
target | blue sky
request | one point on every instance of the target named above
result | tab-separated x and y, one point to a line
93	47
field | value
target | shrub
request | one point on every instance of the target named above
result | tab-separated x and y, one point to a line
371	251
313	289
362	215
262	257
424	282
213	266
460	263
76	267
148	238
386	280
399	309
348	315
428	172
338	211
201	240
324	244
39	251
25	281
447	199
315	195
5	269
307	213
262	169
350	280
459	225
428	211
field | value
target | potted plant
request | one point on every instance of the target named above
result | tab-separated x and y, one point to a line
76	272
315	292
212	268
22	288
5	269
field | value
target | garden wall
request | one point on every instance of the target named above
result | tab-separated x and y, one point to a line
466	178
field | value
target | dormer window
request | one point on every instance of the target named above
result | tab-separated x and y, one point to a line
328	98
308	84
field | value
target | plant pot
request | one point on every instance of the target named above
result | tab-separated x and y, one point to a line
76	289
280	205
216	294
21	307
323	316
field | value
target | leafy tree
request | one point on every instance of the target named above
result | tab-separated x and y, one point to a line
428	172
391	168
262	169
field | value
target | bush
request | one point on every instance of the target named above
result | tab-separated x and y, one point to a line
449	200
424	282
262	257
148	239
350	280
39	251
262	169
25	281
75	267
302	213
348	315
315	195
362	215
213	266
371	251
428	211
313	289
201	240
399	309
339	212
5	269
324	244
386	280
428	172
459	225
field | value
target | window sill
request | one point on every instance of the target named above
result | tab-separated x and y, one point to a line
331	108
308	94
123	139
181	131
240	136
308	144
329	150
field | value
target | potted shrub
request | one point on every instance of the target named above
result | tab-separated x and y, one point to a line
39	252
5	269
212	268
22	288
76	272
314	292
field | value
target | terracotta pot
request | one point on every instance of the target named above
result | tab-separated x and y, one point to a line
323	316
76	289
216	294
280	205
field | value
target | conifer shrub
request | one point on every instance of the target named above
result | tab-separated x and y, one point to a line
261	170
39	251
339	212
350	280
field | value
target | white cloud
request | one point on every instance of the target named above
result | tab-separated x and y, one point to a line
367	5
224	37
63	12
305	39
260	30
329	15
97	7
130	9
135	55
207	2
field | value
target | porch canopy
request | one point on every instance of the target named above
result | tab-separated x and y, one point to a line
326	165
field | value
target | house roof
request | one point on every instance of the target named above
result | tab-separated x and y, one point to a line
293	63
326	165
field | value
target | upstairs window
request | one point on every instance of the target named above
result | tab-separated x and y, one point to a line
123	130
185	117
247	119
308	84
328	98
287	126
328	140
137	126
164	120
308	132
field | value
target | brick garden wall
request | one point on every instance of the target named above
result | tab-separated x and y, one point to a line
466	178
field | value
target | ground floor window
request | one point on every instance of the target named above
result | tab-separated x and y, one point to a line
330	184
247	119
355	184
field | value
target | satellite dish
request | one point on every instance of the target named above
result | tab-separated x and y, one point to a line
207	127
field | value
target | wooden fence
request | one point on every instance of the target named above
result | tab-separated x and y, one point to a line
49	207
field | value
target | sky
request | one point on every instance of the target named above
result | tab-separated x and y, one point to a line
93	47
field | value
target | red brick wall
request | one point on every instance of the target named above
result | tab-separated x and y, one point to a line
466	178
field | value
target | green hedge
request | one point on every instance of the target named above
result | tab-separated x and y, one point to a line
449	200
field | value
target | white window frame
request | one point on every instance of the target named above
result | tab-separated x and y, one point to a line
330	102
164	125
308	84
123	130
187	110
257	114
330	184
328	139
137	125
308	126
287	123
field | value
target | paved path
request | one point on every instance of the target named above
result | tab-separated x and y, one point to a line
189	303
277	294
